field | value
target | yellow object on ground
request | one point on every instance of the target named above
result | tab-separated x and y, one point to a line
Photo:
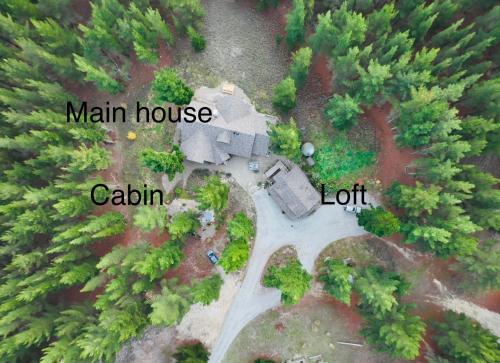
131	135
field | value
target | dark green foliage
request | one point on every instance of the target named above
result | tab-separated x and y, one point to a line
339	159
182	224
295	20
292	279
240	227
186	13
342	111
285	95
214	195
378	221
378	291
464	340
337	278
399	333
197	39
299	69
286	140
266	4
169	163
481	270
207	290
235	255
194	353
168	87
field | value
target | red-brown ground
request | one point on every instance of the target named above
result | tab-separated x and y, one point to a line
391	159
321	69
195	264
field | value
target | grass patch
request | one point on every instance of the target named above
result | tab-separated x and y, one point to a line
339	163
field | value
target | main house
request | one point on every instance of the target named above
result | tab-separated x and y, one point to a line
291	190
236	127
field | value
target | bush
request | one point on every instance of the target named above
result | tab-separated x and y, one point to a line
285	95
207	290
168	87
337	278
292	279
342	111
193	353
285	139
378	221
147	218
463	340
240	227
182	224
235	255
169	163
197	40
299	69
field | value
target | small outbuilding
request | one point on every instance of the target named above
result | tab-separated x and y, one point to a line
291	189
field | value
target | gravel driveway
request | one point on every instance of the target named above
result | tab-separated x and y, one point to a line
274	230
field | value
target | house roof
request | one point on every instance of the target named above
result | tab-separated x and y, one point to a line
233	115
292	191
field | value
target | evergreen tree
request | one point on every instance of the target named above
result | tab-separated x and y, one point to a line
235	255
285	95
482	268
182	224
148	218
168	87
194	353
399	333
377	291
292	279
102	80
301	60
169	163
337	278
207	290
378	221
464	340
240	227
342	111
214	195
285	139
295	28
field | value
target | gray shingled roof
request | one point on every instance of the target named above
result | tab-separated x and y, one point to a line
236	128
293	192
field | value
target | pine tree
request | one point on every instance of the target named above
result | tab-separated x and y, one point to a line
207	290
337	278
182	224
169	163
285	95
301	60
285	139
342	111
213	195
292	279
148	218
168	87
295	27
98	75
464	340
399	333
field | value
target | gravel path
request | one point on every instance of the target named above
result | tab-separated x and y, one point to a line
241	48
274	230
